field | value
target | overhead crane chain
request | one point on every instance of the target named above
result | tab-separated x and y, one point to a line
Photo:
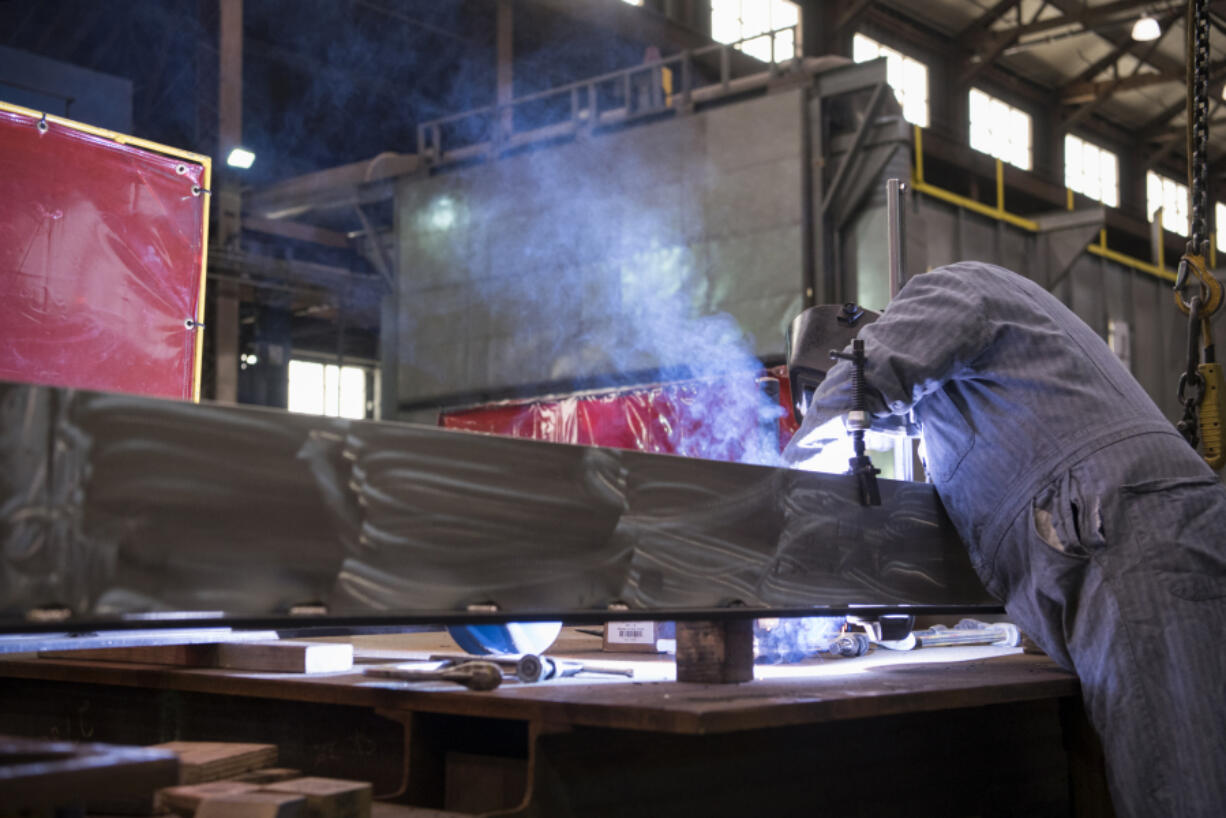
1201	385
1198	124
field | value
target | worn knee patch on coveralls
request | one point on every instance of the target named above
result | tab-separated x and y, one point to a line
1081	508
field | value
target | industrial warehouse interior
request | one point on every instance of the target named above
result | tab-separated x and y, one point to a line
612	407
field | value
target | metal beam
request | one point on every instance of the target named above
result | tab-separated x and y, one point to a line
1085	110
1124	45
227	196
913	30
505	64
1089	17
870	113
983	22
1155	126
852	16
294	271
1175	138
994	51
249	511
1083	92
297	231
378	256
335	187
413	22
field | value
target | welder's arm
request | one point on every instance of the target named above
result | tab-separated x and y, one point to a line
930	334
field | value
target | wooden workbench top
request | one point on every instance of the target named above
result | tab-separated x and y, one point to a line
882	683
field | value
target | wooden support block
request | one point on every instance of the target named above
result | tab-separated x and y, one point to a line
194	655
259	804
286	657
268	775
328	797
203	761
272	656
184	800
715	652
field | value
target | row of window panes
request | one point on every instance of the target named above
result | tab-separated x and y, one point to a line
996	128
740	21
908	77
1171	197
1091	171
327	389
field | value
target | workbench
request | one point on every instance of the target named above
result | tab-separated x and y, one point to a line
938	731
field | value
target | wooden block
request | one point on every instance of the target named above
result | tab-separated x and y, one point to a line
268	775
259	804
329	797
203	761
715	652
200	655
185	799
286	657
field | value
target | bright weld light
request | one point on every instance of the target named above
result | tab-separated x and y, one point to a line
240	158
827	449
1145	29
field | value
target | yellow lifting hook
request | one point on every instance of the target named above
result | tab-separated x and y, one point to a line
1207	405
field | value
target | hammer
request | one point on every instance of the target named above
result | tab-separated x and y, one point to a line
529	667
473	675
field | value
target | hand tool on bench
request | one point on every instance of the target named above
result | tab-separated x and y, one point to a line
529	667
473	675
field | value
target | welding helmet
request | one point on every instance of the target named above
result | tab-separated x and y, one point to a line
812	336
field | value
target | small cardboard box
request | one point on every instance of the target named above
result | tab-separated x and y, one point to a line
640	637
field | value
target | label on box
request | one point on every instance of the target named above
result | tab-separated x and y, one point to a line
632	633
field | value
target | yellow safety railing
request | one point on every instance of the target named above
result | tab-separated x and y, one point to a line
1000	214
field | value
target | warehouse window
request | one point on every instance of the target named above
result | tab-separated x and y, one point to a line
1091	170
999	129
736	20
327	389
633	2
908	77
1219	214
1172	197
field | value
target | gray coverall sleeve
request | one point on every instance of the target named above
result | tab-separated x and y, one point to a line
930	333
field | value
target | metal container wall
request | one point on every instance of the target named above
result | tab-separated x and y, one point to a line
617	253
1097	289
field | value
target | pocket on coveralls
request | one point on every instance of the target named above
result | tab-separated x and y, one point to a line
1066	523
1181	520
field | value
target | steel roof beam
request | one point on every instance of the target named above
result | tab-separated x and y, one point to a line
1108	92
1089	17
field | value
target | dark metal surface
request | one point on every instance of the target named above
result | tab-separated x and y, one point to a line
114	504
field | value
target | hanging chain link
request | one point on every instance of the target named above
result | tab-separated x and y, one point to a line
1198	125
1198	378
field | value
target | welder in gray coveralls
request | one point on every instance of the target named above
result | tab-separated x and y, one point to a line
1082	508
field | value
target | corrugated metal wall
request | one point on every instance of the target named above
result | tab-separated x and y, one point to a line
1096	289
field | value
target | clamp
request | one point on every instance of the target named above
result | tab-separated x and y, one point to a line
858	421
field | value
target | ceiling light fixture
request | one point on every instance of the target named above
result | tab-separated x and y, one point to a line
1146	28
240	158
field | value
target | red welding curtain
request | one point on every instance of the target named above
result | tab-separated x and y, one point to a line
654	418
100	261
